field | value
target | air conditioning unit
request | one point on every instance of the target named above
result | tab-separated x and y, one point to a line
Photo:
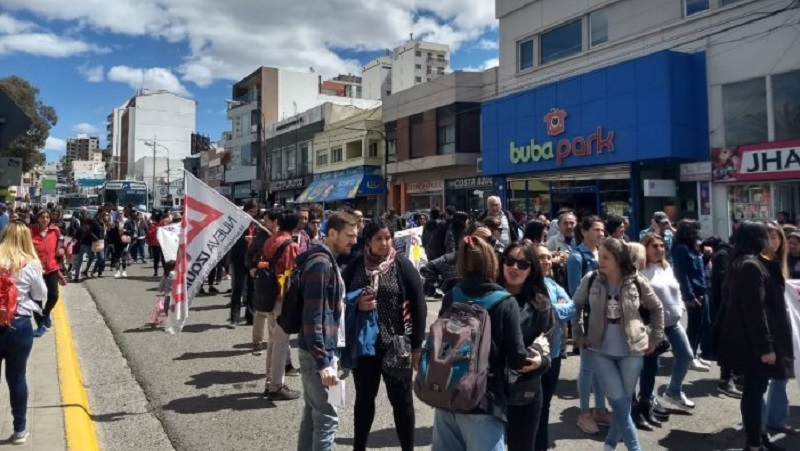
479	164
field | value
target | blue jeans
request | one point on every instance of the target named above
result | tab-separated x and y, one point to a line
467	432
618	376
137	251
776	409
15	347
698	325
320	419
84	249
682	351
588	383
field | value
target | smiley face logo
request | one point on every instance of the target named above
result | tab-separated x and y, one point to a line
555	121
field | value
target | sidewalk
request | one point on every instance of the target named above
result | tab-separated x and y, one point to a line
45	412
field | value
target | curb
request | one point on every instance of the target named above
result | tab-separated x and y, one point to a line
78	425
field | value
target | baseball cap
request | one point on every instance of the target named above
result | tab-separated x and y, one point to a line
660	217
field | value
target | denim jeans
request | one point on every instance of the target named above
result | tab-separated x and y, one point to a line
776	409
467	432
588	383
84	249
698	325
618	376
320	419
15	347
682	352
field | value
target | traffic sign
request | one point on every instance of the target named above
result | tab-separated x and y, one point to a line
13	121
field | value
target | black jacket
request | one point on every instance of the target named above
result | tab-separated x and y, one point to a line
433	235
254	251
507	351
513	232
238	252
534	320
756	320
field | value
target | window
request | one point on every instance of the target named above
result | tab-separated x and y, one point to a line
304	157
447	139
391	141
418	66
418	79
416	137
429	70
275	165
745	110
373	149
786	105
322	158
525	57
418	53
440	71
598	27
561	42
691	7
336	155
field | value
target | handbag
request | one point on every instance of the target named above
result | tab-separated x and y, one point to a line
98	246
125	239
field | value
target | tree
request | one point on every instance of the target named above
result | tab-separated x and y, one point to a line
43	117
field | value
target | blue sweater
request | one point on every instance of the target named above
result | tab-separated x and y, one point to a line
564	313
575	266
688	269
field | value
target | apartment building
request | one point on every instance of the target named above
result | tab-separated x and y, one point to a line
408	65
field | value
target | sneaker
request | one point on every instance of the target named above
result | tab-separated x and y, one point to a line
586	424
202	291
232	324
681	401
117	274
283	394
19	437
124	273
729	388
39	331
258	348
658	409
292	371
601	417
697	365
213	290
704	361
48	323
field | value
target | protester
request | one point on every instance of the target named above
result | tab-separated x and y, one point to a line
617	345
510	228
242	283
4	217
522	276
564	240
688	269
254	256
85	237
484	428
756	331
793	243
661	225
323	331
496	229
47	240
121	235
101	246
433	234
615	227
458	227
156	220
391	290
18	259
536	231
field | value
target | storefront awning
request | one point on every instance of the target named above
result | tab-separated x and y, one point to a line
342	188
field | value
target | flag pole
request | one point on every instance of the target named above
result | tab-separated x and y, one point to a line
185	172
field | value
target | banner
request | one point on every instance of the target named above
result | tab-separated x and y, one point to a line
211	225
792	295
409	243
169	238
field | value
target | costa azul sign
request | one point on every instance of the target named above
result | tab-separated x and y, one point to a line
578	146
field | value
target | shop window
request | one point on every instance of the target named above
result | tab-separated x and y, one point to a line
598	27
336	155
786	105
322	158
447	139
750	202
745	105
561	42
373	149
691	7
525	50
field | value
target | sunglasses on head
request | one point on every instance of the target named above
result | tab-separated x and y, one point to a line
521	264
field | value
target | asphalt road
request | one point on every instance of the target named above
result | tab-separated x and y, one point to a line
206	388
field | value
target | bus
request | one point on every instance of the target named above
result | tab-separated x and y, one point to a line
75	201
126	192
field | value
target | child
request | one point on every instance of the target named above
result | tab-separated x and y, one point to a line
163	297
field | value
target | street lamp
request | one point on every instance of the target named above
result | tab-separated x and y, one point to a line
153	143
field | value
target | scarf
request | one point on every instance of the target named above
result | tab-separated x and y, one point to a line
377	266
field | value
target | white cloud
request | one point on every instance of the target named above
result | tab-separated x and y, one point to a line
10	25
149	78
228	40
54	143
17	36
93	74
487	44
488	64
85	127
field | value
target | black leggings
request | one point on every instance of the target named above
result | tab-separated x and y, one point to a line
51	282
523	422
367	377
158	256
549	383
755	385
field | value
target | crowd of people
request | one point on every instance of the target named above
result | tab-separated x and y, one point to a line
540	284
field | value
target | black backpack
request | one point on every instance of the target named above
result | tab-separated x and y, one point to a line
266	287
291	317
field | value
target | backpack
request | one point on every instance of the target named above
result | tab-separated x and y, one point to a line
8	298
454	363
267	288
291	317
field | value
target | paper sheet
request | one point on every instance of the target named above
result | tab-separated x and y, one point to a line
336	394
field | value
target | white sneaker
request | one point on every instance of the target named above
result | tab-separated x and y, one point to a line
19	437
124	274
704	362
681	402
116	275
697	365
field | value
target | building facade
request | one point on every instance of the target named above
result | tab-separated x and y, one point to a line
81	148
410	64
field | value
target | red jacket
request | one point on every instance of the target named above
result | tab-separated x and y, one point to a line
286	262
152	235
46	246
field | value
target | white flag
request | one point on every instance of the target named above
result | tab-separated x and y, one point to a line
408	242
211	225
169	237
792	296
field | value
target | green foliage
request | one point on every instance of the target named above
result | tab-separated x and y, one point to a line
43	117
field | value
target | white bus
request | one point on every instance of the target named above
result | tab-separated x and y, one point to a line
126	192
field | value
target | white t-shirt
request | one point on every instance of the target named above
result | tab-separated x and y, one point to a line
505	235
30	287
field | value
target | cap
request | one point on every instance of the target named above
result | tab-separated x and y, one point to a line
794	234
3	205
660	217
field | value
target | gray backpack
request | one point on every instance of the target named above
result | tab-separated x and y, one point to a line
454	363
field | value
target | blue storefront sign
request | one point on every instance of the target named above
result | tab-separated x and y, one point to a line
356	170
645	109
342	188
90	183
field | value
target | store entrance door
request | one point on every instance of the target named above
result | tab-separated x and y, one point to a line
580	199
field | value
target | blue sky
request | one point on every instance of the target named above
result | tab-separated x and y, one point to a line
88	56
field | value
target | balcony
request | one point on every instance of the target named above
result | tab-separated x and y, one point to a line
247	99
438	59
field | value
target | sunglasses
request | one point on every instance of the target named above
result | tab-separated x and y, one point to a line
315	222
521	264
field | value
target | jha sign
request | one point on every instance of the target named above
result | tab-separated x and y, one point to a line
578	146
757	162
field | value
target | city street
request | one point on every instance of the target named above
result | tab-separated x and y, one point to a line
205	386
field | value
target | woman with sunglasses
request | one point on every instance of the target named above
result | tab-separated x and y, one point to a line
522	276
564	310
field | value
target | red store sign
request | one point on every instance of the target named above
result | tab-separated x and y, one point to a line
756	162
